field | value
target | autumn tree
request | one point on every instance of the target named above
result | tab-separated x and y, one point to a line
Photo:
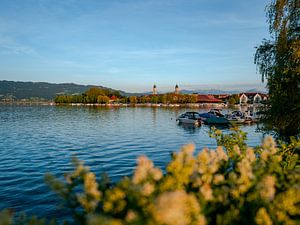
103	99
133	99
278	61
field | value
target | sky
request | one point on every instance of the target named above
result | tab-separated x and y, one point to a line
132	44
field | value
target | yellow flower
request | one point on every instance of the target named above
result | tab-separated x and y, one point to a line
262	217
236	150
207	192
91	196
221	154
147	189
177	208
188	149
269	144
218	178
142	169
130	216
156	174
267	188
250	155
91	186
114	200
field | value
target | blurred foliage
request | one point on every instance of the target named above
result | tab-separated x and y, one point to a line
233	184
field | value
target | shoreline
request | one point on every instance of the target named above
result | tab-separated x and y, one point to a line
142	105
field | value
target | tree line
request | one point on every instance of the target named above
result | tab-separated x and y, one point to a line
169	98
93	95
103	96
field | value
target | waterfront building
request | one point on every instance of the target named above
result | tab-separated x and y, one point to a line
207	99
252	97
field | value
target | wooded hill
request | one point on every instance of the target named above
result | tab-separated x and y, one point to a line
18	90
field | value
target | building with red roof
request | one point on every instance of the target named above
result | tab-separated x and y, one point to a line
207	99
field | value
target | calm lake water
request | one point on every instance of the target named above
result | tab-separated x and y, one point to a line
35	140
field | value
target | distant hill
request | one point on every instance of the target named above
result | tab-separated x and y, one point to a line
26	90
217	91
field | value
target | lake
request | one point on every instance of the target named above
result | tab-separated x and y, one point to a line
35	140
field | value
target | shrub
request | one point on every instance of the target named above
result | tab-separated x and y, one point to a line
233	184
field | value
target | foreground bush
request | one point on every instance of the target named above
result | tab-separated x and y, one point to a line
233	184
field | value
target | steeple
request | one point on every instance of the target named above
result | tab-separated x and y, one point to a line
154	90
176	89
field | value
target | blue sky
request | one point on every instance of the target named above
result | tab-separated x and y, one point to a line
131	44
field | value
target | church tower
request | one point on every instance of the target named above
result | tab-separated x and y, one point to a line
176	89
154	90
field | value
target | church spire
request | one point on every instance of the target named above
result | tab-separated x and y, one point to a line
176	89
154	90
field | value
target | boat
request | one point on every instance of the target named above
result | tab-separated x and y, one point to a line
216	112
249	117
190	118
214	116
236	117
216	120
236	120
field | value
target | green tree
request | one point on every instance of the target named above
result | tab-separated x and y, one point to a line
133	99
93	94
192	98
117	94
278	61
154	99
163	99
123	100
143	99
103	99
59	99
231	101
234	99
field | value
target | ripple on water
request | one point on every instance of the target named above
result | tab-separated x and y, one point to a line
35	140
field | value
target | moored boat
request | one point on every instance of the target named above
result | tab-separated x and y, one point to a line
190	118
216	120
238	117
214	117
236	120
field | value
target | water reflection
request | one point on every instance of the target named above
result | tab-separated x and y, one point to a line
154	111
189	128
220	126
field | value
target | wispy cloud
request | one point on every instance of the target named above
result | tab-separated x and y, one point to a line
10	46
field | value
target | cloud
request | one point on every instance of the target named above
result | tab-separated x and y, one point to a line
10	46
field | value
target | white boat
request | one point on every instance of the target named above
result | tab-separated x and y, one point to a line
236	117
249	117
190	118
236	120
